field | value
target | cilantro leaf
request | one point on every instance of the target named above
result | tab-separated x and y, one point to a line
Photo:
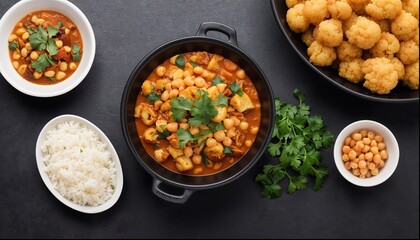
194	64
180	62
222	100
60	24
75	52
179	107
184	136
296	142
235	88
217	80
164	134
38	39
227	150
153	97
204	110
51	47
13	46
42	62
52	31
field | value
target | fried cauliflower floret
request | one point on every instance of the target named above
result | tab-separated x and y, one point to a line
364	33
349	22
409	52
404	26
399	67
292	3
296	20
352	70
384	9
380	75
347	51
411	6
321	55
330	33
308	37
411	77
339	9
358	6
315	11
387	46
384	25
415	38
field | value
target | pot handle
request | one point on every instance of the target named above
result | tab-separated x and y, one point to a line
170	197
218	27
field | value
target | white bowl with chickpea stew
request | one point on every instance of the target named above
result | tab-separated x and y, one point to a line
197	113
49	48
366	153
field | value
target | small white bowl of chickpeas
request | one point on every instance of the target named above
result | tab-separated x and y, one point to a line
366	153
47	47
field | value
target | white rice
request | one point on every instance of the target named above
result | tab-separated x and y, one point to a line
78	164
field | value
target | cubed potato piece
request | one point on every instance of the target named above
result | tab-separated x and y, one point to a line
241	103
221	114
175	152
183	163
213	92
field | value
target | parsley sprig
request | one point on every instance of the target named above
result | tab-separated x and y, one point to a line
296	141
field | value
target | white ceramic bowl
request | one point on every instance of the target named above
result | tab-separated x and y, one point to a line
14	15
391	146
41	165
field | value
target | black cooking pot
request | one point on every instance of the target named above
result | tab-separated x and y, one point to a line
200	42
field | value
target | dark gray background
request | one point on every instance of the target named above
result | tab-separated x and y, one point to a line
125	32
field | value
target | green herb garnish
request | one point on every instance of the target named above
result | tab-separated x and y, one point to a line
217	80
164	134
13	46
60	24
194	64
42	62
180	61
179	107
184	136
153	97
235	88
227	150
75	52
296	141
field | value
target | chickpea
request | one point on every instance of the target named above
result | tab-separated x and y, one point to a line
373	143
22	69
347	141
371	135
34	18
362	164
356	136
374	172
345	157
20	31
184	126
217	165
379	138
231	133
12	37
72	66
194	130
59	43
199	82
346	149
67	49
197	170
362	157
189	81
236	121
381	146
352	154
16	55
374	150
240	74
364	133
67	31
198	70
366	140
381	164
369	156
384	154
377	158
228	123
227	142
63	66
60	75
37	75
366	149
172	127
49	73
219	135
24	52
371	166
173	59
363	171
168	87
15	64
39	21
347	165
188	151
34	55
160	71
205	74
174	93
243	126
211	142
248	143
196	159
28	46
352	143
254	130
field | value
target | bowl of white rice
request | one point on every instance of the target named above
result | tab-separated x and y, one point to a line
79	164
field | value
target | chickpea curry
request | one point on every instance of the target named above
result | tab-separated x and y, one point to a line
197	113
45	47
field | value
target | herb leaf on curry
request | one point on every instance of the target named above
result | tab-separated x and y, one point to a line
180	61
235	88
13	46
296	141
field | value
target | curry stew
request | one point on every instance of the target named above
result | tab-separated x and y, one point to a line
45	47
197	113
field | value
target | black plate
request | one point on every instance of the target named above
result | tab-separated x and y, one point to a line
400	94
